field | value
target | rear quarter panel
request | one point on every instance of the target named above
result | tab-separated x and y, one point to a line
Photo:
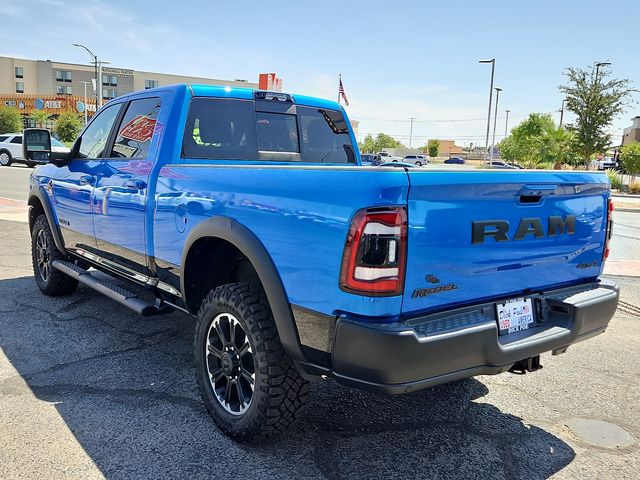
300	213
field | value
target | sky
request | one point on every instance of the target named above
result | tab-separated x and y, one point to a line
398	59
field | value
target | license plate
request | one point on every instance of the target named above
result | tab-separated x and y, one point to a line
514	315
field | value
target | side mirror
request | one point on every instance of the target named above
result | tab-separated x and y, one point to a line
36	147
36	144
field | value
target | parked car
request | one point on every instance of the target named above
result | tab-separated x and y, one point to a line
442	275
387	157
398	164
500	164
370	159
417	160
455	160
605	163
11	150
515	165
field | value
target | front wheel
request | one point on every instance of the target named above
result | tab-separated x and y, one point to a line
5	158
418	164
43	252
249	385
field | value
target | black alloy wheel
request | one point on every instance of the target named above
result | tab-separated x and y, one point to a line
230	363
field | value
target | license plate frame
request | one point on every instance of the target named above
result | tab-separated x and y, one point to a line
515	315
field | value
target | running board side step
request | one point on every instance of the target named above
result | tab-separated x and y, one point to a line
112	290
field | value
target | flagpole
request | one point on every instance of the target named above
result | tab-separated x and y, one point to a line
339	81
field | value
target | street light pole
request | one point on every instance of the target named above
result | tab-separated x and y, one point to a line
411	131
95	67
506	124
564	100
495	120
598	65
85	101
486	144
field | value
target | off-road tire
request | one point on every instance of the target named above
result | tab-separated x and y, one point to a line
279	391
8	155
56	283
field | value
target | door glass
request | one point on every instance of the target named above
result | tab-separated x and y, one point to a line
94	138
136	130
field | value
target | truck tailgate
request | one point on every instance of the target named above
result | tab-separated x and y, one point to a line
481	235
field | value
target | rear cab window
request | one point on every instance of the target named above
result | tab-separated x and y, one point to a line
237	129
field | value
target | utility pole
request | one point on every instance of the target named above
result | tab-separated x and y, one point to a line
486	144
495	119
562	111
506	124
411	130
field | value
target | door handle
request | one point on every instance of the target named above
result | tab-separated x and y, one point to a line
87	180
135	184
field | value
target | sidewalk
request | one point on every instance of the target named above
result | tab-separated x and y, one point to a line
624	203
13	210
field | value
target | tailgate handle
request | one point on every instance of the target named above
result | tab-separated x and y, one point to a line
533	194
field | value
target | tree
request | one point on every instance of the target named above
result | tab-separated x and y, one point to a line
382	141
10	120
39	117
432	148
630	156
595	100
538	141
68	127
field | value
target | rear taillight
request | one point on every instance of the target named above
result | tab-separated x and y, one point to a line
375	253
609	231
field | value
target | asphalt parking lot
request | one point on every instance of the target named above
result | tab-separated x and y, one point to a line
90	390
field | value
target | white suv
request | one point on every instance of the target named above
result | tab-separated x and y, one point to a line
11	149
417	160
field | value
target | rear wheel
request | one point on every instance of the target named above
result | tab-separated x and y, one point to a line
249	385
43	252
5	158
418	164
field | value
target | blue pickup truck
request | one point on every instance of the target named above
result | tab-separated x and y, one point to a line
251	212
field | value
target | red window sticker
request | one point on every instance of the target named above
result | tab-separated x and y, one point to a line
139	129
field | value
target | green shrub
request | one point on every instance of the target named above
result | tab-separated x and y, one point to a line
10	120
615	179
544	166
68	125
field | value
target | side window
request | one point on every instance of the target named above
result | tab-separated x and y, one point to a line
3	138
94	138
325	136
220	129
136	129
17	140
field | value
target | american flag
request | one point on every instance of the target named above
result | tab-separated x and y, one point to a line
342	94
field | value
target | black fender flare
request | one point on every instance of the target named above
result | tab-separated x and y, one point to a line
250	246
40	195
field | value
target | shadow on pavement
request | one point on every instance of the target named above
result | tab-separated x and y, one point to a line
125	386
